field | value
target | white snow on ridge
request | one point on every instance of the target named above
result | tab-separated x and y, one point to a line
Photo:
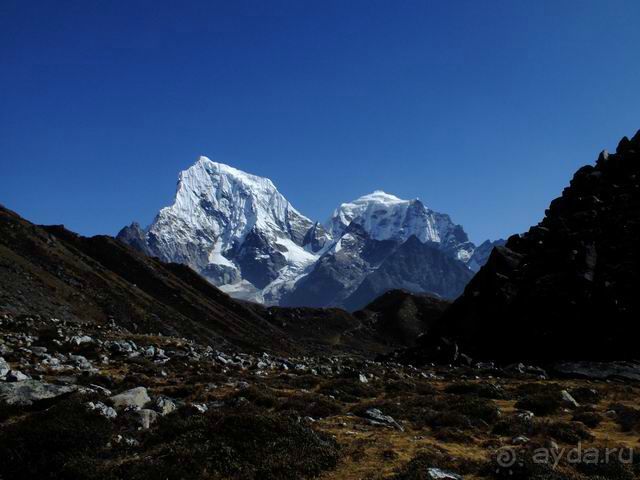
224	220
387	217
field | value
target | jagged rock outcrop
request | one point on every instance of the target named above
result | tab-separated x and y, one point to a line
568	288
482	252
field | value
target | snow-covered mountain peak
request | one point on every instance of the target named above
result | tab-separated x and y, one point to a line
242	234
384	217
218	198
378	196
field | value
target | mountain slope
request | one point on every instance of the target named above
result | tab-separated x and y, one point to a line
51	271
568	288
374	239
401	317
416	267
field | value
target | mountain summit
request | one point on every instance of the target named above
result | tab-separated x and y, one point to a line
387	217
234	228
241	233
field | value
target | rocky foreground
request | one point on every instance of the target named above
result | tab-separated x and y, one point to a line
100	401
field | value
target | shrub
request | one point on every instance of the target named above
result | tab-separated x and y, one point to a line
418	466
572	433
243	446
347	389
260	397
590	419
585	395
627	417
482	390
542	404
311	405
50	444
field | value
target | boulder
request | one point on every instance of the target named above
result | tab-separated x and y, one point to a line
146	417
102	409
4	367
567	398
28	392
378	418
134	398
16	376
438	474
165	405
80	340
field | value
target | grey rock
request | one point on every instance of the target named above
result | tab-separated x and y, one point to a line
136	398
525	415
200	407
567	398
29	391
120	346
4	367
16	376
102	409
81	362
519	440
80	340
165	405
378	418
438	474
146	417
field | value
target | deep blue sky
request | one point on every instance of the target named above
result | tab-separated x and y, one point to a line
483	109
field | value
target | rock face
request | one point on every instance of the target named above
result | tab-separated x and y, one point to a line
241	234
416	267
566	289
28	392
482	252
387	217
382	243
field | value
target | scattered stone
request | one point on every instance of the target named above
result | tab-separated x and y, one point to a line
525	415
27	392
200	407
102	409
438	474
80	340
378	418
104	391
16	376
4	367
520	440
146	417
136	398
165	405
566	397
130	442
363	378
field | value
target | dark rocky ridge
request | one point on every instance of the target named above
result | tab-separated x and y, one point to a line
568	288
53	272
